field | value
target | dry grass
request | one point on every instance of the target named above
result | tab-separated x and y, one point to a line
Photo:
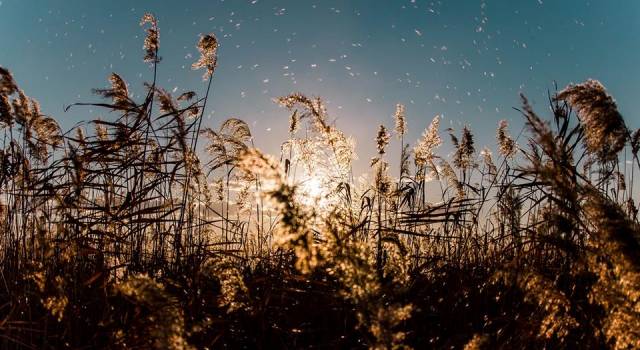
129	233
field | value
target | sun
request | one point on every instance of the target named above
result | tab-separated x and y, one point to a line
314	191
313	187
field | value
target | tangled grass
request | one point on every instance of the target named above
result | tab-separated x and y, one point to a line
128	233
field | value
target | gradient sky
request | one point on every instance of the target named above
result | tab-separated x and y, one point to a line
466	60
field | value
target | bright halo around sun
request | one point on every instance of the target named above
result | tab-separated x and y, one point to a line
314	190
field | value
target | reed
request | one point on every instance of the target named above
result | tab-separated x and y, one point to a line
132	233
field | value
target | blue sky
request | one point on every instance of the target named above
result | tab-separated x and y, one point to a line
466	60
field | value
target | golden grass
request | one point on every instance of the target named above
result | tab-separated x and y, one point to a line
128	233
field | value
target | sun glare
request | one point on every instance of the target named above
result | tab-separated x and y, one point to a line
314	191
313	187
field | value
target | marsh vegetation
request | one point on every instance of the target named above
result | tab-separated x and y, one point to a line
152	230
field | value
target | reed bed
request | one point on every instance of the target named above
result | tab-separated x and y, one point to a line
150	230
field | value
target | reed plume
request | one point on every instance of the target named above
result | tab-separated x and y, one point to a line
430	140
605	130
463	156
208	47
152	39
400	120
507	145
382	139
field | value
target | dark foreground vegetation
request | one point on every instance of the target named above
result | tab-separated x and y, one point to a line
148	230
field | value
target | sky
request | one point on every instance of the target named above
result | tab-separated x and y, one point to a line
465	60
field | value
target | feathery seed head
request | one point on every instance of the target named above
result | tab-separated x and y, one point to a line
167	104
424	150
7	84
463	157
118	93
382	139
186	96
152	40
605	130
506	144
401	122
488	162
208	47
